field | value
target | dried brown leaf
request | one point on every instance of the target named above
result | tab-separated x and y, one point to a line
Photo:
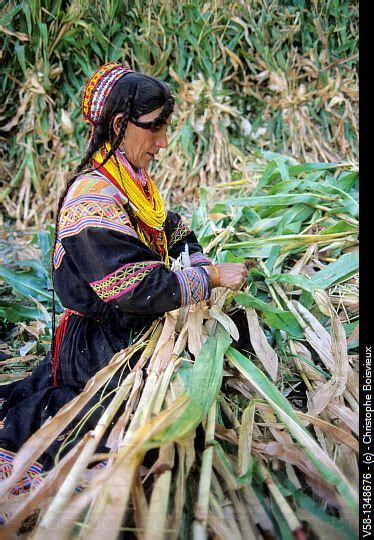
265	353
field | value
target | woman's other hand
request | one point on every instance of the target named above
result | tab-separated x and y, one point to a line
230	275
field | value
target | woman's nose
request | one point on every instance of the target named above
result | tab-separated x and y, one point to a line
162	141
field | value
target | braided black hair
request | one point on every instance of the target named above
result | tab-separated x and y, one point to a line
133	95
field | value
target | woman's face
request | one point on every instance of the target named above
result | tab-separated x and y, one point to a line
141	145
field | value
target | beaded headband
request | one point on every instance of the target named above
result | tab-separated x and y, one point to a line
98	88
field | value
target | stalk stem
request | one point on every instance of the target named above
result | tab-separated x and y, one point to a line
72	479
202	506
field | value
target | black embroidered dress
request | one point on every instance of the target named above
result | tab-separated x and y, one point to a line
117	286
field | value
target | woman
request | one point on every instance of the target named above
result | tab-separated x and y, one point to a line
114	244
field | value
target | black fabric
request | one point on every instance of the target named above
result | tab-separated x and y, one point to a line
92	340
87	347
100	252
95	252
172	223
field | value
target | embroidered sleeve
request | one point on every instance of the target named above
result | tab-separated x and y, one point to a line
195	285
122	272
127	274
199	259
181	231
93	212
179	234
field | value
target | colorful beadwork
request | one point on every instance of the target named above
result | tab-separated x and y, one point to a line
98	88
149	209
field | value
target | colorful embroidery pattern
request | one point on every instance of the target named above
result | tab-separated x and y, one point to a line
30	479
94	183
58	253
93	211
198	258
92	201
180	232
123	280
195	285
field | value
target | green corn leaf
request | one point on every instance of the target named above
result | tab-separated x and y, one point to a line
301	282
283	169
347	180
11	14
273	256
204	384
226	463
344	268
269	174
17	312
262	225
283	199
340	226
318	513
21	55
288	242
284	187
311	167
26	284
273	316
320	459
299	212
39	270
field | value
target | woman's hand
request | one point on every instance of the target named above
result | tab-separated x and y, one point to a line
230	275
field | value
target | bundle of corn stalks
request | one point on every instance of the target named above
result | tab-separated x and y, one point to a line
263	74
241	414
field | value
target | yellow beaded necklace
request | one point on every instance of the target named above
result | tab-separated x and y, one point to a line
151	212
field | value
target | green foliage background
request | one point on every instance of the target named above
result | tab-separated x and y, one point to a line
278	75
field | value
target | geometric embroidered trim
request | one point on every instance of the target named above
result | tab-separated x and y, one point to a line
58	254
97	211
180	232
198	258
123	280
195	285
30	479
94	183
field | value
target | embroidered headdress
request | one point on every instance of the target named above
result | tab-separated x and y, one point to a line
98	88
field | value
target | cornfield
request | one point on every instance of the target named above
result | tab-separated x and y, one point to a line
275	413
278	76
240	417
